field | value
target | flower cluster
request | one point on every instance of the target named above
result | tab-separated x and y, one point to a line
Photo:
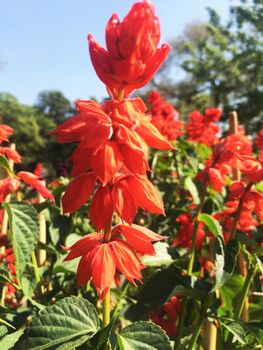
164	116
12	182
110	162
185	232
7	259
202	128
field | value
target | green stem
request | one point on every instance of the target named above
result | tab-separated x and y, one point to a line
106	309
244	292
200	321
35	266
189	272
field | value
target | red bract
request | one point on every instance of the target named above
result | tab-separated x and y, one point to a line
102	261
132	56
201	128
7	186
185	232
5	130
11	154
114	136
164	117
33	181
125	195
252	199
253	169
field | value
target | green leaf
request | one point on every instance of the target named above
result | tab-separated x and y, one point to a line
4	163
59	228
9	340
23	221
229	294
162	257
3	331
143	336
225	260
68	323
211	223
191	187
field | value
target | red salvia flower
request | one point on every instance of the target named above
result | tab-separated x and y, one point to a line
8	185
33	181
185	232
164	117
5	130
103	261
202	128
112	136
132	56
11	154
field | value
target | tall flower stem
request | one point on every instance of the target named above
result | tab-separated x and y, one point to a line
189	272
245	289
106	309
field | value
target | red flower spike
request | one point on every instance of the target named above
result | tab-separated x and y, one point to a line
216	178
132	56
8	185
78	192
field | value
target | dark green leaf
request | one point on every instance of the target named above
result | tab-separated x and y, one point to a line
211	223
225	260
4	163
23	221
191	187
143	336
68	323
9	340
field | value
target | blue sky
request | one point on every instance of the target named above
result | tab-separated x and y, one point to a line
43	44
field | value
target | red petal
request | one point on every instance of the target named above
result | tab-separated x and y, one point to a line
106	162
101	208
103	269
126	261
78	192
84	271
145	195
124	203
83	246
153	137
139	238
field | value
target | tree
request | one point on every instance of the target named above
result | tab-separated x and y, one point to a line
54	105
222	64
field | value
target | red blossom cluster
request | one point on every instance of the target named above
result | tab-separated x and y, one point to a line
12	182
110	161
164	116
7	259
166	316
185	232
202	128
